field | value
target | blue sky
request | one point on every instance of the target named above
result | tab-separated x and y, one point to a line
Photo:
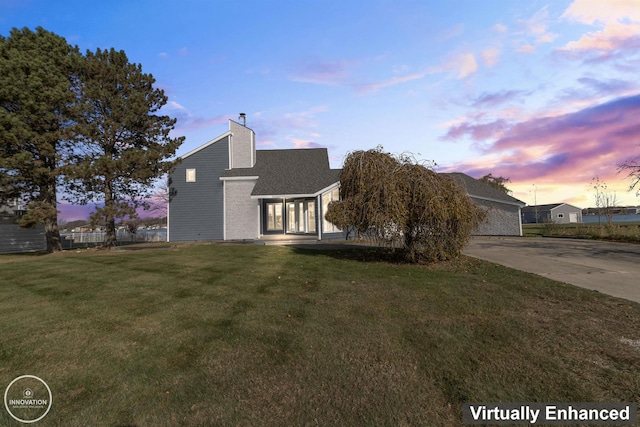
543	92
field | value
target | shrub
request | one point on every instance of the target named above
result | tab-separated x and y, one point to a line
398	202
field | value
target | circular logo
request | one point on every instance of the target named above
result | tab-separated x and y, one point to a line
27	399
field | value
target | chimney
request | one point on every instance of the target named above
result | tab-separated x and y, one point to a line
243	119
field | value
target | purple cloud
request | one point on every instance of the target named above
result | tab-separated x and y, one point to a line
497	98
568	149
591	88
479	132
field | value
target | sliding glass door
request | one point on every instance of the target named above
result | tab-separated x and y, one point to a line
301	216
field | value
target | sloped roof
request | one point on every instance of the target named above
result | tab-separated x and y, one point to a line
547	207
479	189
289	172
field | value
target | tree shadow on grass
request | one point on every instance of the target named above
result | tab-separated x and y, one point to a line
373	254
23	254
353	253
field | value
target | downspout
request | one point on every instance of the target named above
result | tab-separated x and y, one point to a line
231	151
520	219
259	218
253	149
321	216
224	210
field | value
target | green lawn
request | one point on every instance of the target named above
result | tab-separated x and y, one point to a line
223	334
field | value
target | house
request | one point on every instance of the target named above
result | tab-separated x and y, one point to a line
87	228
503	210
228	190
612	210
14	239
560	213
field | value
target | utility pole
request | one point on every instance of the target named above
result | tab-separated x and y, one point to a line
535	201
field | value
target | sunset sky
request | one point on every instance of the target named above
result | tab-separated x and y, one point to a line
545	93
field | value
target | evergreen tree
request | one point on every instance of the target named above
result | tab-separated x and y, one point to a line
37	77
123	143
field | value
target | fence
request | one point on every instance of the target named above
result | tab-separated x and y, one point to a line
92	238
14	239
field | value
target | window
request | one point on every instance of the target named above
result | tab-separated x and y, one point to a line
292	217
191	175
311	216
301	217
274	216
334	195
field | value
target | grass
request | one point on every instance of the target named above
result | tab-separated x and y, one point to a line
222	334
620	232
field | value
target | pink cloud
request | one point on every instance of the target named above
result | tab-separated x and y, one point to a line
611	38
566	150
186	121
526	49
590	12
619	22
269	129
499	28
490	56
335	73
535	28
303	143
464	65
372	87
461	66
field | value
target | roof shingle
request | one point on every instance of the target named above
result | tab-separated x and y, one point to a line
289	172
476	188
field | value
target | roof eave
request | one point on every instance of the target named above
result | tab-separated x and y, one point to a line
293	196
518	203
238	178
282	196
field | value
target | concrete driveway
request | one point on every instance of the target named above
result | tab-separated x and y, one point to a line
608	267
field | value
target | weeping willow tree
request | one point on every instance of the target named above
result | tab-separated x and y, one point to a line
400	203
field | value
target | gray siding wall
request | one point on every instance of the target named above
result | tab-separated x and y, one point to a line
530	217
242	146
14	239
243	212
502	219
196	208
565	210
